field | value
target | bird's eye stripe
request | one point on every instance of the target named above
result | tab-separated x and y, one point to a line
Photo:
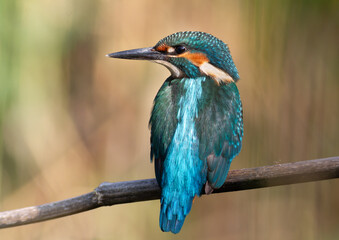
195	58
162	48
170	50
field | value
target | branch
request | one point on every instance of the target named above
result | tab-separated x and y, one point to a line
108	194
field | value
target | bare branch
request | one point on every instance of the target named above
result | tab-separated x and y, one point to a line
142	190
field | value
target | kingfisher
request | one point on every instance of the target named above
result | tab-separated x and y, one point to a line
196	122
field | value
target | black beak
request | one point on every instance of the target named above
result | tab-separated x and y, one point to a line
140	54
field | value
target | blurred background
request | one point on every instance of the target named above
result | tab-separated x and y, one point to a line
71	118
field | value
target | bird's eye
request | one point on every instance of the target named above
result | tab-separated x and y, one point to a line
180	49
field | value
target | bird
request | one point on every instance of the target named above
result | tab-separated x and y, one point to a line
196	121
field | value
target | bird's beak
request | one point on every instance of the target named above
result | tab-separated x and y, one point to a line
140	54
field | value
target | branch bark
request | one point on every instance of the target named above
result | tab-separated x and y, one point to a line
107	194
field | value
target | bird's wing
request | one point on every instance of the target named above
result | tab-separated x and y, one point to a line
220	129
163	123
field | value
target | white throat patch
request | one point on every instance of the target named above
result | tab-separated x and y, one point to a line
176	72
215	73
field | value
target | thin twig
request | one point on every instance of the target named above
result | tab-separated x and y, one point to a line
142	190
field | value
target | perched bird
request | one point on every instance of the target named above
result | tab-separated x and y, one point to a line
196	122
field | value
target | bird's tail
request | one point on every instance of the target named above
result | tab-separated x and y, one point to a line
173	213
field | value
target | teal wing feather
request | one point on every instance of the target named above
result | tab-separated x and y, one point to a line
219	128
163	123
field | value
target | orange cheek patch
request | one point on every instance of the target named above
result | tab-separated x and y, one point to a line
195	58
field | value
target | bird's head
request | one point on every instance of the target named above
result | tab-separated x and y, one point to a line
189	54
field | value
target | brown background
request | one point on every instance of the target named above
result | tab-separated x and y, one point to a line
71	118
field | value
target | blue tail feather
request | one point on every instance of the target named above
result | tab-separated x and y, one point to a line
173	214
